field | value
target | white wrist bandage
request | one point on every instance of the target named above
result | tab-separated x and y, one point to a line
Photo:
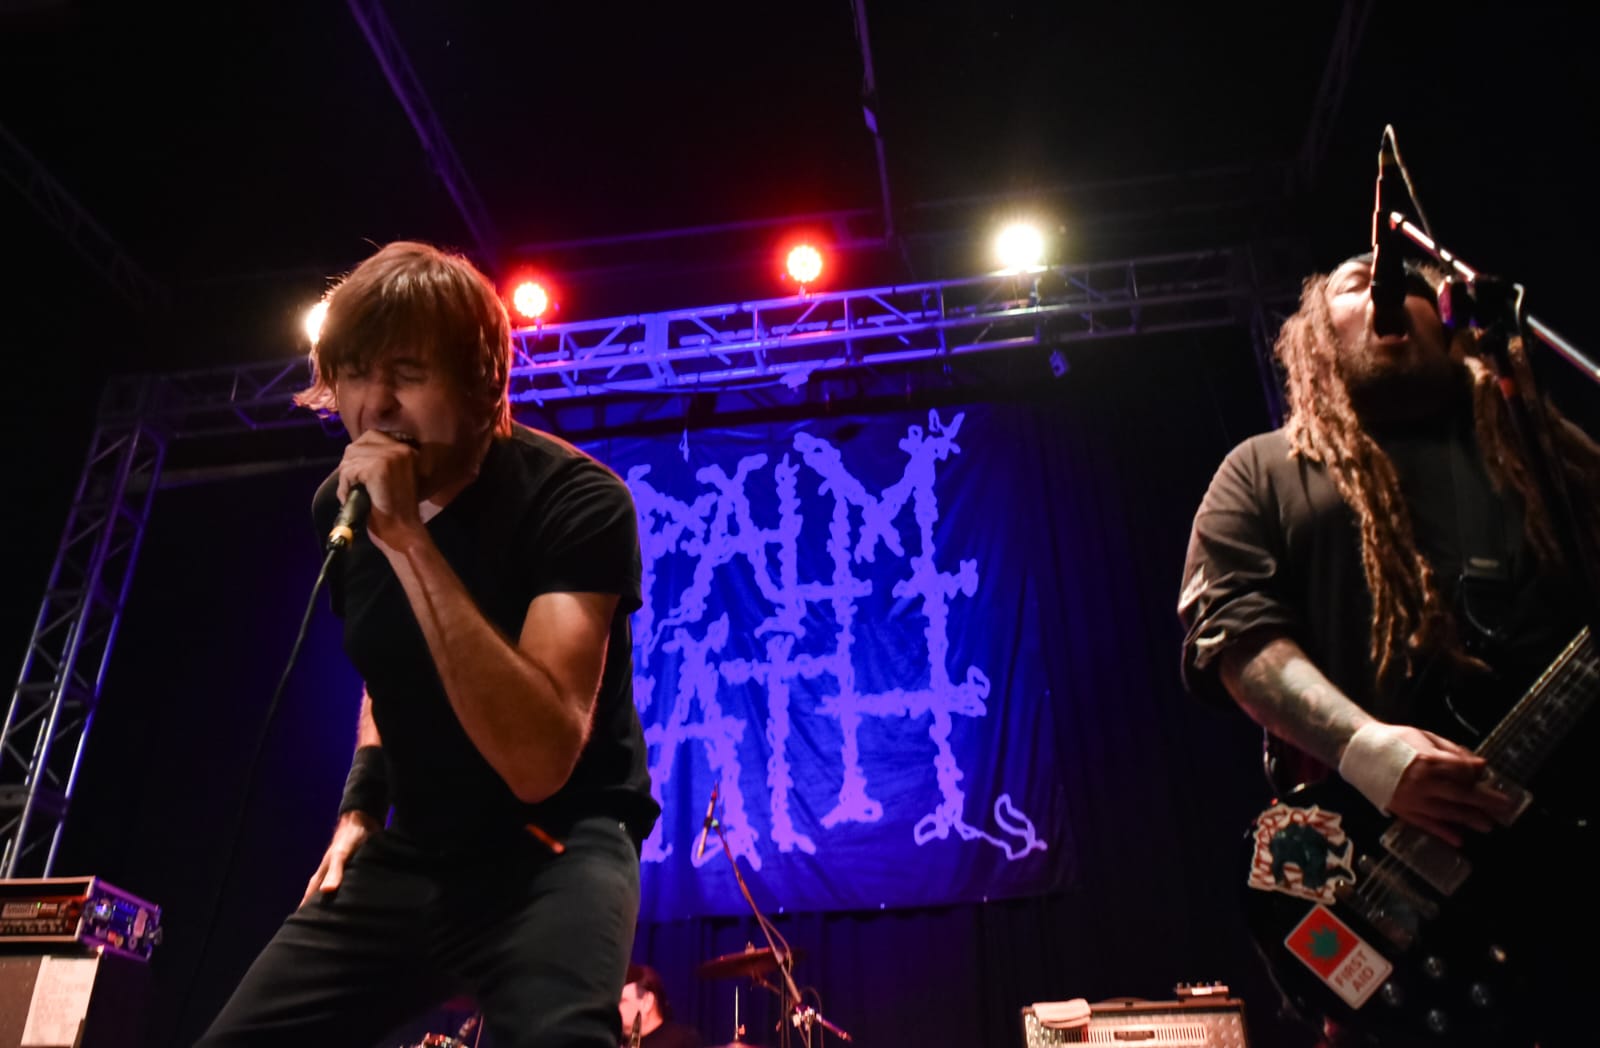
1374	759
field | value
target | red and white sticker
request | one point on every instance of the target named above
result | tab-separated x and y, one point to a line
1340	957
1288	840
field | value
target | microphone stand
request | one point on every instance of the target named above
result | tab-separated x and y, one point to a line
1495	306
1483	286
790	1008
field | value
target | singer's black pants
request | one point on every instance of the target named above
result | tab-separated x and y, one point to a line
541	941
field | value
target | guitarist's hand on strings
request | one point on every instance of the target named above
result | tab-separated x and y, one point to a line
1415	775
1424	779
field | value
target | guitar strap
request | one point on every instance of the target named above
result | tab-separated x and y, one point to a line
1490	547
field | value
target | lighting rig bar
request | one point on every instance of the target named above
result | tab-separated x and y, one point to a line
786	339
781	339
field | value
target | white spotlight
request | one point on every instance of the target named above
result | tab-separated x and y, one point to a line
313	320
1020	246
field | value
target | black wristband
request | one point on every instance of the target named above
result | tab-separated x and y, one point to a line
366	788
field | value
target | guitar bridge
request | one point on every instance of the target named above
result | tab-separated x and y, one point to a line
1389	903
1444	868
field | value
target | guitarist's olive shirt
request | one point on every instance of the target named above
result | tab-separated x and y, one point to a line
1275	547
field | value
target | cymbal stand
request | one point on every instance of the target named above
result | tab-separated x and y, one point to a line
791	1008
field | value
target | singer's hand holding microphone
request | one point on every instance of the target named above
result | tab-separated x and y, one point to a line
378	489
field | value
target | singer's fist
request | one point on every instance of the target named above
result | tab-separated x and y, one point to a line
387	468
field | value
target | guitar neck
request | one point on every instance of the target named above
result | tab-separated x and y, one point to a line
1542	718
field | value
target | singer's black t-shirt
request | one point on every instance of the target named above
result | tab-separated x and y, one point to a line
541	517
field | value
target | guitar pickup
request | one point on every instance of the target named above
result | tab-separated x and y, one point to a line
1520	797
1444	868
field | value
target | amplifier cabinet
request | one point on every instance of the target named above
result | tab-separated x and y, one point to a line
80	910
81	999
1208	1022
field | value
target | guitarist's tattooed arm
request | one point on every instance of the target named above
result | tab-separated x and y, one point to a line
1441	789
1277	684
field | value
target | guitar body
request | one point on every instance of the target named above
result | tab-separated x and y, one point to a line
1371	945
1400	939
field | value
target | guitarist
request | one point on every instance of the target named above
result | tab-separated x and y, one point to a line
1386	545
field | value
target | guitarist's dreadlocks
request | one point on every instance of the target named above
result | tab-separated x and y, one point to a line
1409	617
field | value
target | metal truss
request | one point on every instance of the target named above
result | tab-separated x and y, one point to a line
869	111
714	348
782	340
1264	326
47	723
786	339
1271	303
1330	92
407	88
216	402
69	218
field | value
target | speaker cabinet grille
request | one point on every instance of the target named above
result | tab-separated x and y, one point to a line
1208	1023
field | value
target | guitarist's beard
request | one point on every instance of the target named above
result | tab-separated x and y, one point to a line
1416	392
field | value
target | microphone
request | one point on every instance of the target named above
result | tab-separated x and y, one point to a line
633	1035
1388	287
705	827
352	515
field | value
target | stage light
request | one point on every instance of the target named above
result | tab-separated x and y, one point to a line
1020	247
313	321
530	300
805	264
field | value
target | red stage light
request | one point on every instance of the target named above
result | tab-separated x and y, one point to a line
530	300
805	264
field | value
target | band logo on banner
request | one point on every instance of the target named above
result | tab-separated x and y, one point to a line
815	644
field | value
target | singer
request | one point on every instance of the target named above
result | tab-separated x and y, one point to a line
1356	577
486	603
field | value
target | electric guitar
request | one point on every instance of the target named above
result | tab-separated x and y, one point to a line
1389	931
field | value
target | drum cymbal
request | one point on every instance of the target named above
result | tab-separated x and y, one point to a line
744	963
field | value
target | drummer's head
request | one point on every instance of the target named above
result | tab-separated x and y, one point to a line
644	997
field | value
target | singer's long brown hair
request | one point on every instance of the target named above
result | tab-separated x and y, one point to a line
1409	617
413	294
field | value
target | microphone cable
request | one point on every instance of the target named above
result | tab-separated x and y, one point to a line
1405	178
231	855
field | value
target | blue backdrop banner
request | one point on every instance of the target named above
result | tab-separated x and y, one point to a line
840	637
